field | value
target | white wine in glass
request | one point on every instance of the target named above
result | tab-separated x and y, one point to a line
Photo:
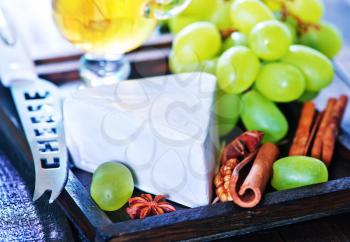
106	29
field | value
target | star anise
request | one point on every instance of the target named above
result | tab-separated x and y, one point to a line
145	206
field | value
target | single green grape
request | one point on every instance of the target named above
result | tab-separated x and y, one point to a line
274	5
227	106
237	69
197	11
280	82
235	39
270	40
309	11
200	9
245	14
179	66
112	185
197	42
308	96
224	128
221	16
227	110
316	67
259	113
297	171
327	39
179	22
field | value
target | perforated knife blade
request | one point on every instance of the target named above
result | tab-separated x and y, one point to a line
39	107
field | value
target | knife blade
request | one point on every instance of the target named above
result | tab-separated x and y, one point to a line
39	107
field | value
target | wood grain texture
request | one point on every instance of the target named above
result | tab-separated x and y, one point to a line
74	200
277	209
210	222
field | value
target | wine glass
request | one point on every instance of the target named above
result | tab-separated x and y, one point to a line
107	29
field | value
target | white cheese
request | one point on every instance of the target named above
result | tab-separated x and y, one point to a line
160	127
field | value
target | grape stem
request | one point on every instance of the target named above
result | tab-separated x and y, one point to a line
302	27
226	33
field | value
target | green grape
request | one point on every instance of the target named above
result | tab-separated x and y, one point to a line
197	42
112	185
237	69
309	11
316	67
224	128
245	14
227	109
259	113
274	5
177	23
280	82
327	39
221	16
177	66
308	96
270	40
200	9
235	39
297	171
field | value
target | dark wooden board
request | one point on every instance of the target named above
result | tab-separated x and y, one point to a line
277	208
204	223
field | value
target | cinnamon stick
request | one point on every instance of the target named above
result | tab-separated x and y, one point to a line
313	131
339	109
329	140
332	130
253	187
303	135
316	151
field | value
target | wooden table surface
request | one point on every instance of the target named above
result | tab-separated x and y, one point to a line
331	229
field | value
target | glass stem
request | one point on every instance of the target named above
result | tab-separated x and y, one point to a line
97	70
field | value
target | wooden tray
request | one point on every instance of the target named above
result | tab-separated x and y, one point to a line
204	223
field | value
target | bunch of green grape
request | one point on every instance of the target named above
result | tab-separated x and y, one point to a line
279	51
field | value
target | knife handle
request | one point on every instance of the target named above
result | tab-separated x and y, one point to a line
15	63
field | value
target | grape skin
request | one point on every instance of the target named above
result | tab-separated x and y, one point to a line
193	41
309	11
112	185
297	171
177	66
237	69
308	96
227	111
270	40
327	39
245	14
201	9
221	16
259	113
178	23
316	67
280	82
287	71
